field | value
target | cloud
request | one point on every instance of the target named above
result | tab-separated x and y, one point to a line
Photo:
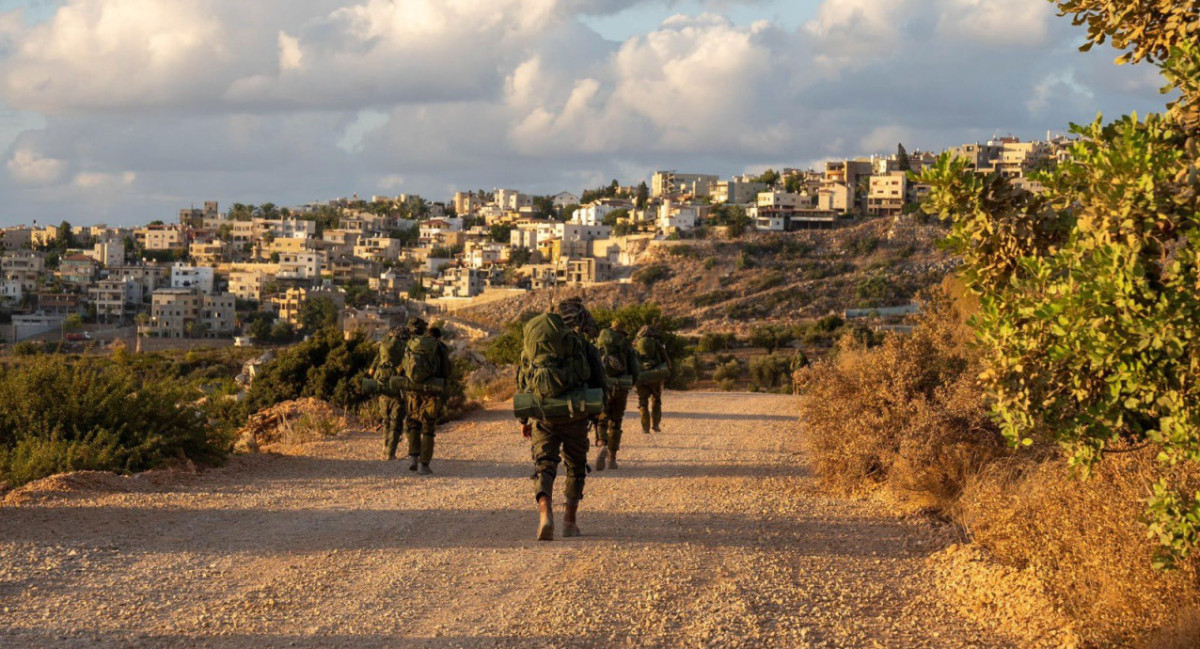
30	168
142	104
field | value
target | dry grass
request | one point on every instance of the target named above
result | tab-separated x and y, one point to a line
1085	541
907	415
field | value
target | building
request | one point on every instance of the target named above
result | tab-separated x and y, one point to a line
300	266
670	183
563	199
247	284
467	203
290	304
149	277
511	200
674	216
594	214
188	313
161	237
200	278
18	238
888	194
115	298
210	253
23	266
79	270
737	192
108	253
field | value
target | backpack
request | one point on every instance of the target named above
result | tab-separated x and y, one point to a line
421	359
391	351
648	350
612	353
553	358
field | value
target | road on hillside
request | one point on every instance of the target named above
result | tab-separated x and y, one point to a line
711	534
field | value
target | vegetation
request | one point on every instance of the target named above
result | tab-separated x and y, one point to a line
327	366
93	414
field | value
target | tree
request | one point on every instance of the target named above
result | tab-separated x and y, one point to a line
770	178
318	313
66	238
519	257
568	212
1087	290
793	184
902	161
643	195
501	232
616	216
543	207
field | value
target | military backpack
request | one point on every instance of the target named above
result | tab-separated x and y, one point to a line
612	353
421	359
553	359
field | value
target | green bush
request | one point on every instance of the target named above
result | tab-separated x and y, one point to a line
652	274
327	366
731	370
505	349
92	414
709	299
712	342
770	372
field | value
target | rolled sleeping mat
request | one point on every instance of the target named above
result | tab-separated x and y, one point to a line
660	373
572	406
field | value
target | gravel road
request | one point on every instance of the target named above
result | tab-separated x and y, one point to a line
711	534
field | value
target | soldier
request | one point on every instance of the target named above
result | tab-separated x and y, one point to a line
655	362
425	360
578	367
385	366
436	333
622	366
798	363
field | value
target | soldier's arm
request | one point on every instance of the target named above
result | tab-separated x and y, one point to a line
597	376
633	362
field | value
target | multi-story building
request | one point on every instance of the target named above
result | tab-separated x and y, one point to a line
188	313
108	253
511	200
888	194
737	192
670	183
300	266
674	216
161	237
247	284
290	304
11	290
149	277
379	248
61	304
201	278
563	199
210	253
23	266
594	213
17	238
467	203
79	270
115	298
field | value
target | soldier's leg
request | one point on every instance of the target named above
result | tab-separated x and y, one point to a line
545	451
656	406
616	414
574	438
644	406
428	432
412	430
393	426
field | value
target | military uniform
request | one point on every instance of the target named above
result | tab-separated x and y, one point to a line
653	353
423	409
566	442
392	409
609	429
798	363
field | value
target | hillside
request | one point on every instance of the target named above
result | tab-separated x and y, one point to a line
778	278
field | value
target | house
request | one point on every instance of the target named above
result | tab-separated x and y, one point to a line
79	270
23	266
198	277
248	284
161	238
291	304
115	298
888	194
17	238
563	199
674	216
190	313
670	183
737	192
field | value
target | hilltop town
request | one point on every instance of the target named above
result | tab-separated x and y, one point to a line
267	273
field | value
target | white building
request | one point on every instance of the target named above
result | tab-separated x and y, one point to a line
563	199
677	216
108	253
300	265
192	277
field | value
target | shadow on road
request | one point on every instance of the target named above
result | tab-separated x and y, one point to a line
130	530
668	417
40	638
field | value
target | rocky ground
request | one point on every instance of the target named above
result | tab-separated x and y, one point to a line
711	534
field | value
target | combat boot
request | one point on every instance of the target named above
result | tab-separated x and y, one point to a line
602	457
412	462
570	528
612	461
424	470
545	530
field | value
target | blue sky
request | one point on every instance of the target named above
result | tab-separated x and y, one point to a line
122	111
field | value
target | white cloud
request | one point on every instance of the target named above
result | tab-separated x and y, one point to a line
30	168
94	180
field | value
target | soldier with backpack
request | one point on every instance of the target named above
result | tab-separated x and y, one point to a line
622	366
385	366
426	367
560	386
655	370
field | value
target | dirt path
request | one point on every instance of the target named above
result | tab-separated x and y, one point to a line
712	534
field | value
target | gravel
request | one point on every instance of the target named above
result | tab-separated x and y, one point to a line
711	534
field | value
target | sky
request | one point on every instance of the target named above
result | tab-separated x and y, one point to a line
124	111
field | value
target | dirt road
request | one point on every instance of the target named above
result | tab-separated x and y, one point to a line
711	534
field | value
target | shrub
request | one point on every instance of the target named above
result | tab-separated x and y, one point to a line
908	415
730	370
711	342
505	349
652	274
769	372
91	414
327	366
709	299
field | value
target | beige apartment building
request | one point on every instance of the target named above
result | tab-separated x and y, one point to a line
247	284
188	313
23	266
888	194
667	183
161	237
290	303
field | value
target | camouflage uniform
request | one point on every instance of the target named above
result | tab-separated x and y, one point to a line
799	362
391	408
423	409
650	395
567	442
609	432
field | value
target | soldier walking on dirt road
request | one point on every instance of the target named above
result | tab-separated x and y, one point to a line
622	365
392	407
560	386
427	367
655	370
